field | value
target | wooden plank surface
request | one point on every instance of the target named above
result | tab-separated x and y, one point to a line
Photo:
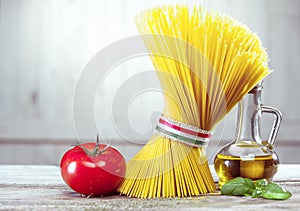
42	188
46	44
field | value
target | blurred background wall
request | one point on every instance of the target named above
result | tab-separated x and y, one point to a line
44	46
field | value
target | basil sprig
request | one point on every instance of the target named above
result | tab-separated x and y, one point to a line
262	188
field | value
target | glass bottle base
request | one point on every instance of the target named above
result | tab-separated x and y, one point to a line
260	167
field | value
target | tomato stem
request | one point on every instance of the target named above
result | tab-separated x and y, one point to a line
96	149
97	146
102	150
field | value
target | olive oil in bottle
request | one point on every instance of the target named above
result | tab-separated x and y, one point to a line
229	167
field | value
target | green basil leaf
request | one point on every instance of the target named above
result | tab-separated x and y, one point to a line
238	187
249	183
273	187
261	183
277	196
256	193
274	191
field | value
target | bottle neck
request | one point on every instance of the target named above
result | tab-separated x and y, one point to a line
249	117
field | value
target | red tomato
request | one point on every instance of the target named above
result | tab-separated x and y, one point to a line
93	173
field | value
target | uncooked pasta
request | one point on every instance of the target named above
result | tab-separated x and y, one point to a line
206	62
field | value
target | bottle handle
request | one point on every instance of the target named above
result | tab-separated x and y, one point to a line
276	124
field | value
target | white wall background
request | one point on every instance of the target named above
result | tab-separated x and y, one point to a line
44	46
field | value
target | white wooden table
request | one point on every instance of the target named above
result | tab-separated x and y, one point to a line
42	188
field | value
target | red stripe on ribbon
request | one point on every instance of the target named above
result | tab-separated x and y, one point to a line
184	130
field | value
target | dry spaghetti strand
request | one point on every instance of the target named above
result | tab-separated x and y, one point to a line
206	62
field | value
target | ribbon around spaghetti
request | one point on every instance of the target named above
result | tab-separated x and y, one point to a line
181	132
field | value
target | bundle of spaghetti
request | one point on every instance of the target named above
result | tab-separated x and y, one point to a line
206	62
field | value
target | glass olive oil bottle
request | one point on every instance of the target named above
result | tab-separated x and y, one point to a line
248	156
